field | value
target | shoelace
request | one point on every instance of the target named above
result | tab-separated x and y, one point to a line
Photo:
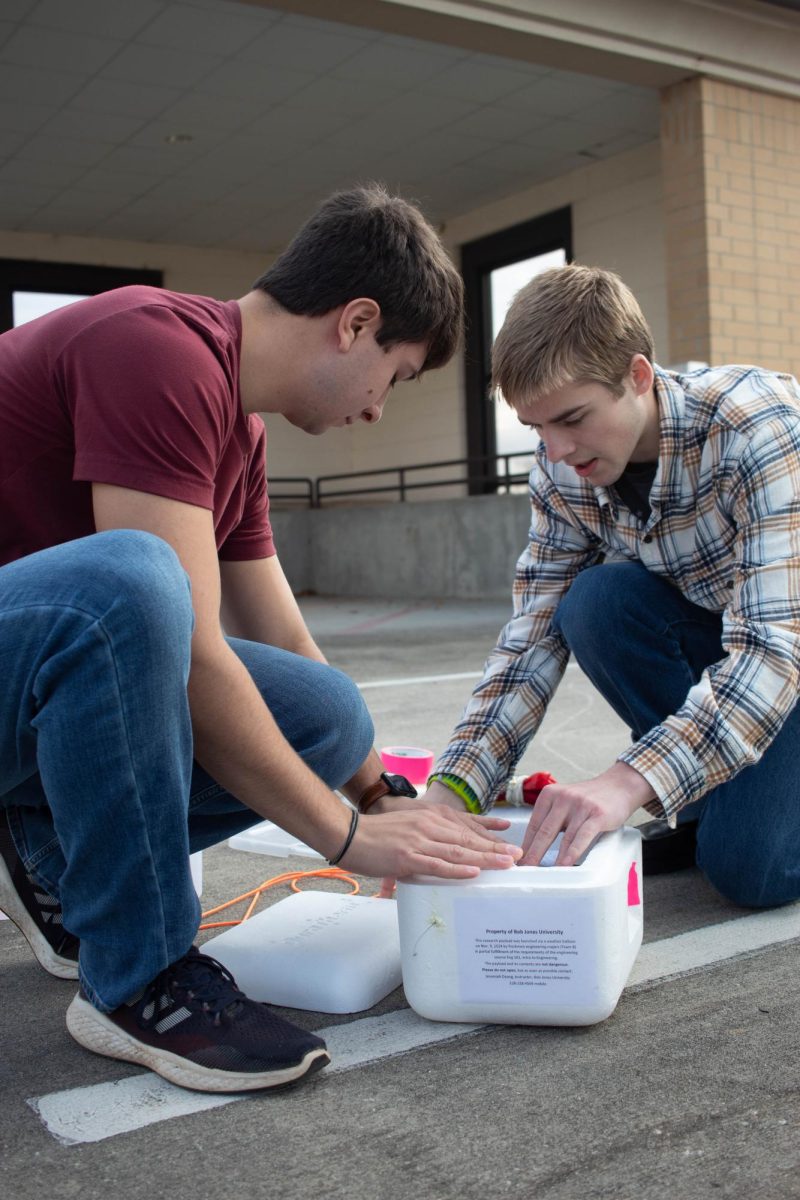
203	984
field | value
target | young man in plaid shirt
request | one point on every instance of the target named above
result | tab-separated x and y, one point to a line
664	555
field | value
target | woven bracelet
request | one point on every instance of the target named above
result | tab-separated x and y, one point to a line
350	835
461	789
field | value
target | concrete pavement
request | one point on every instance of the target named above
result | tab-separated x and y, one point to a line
690	1089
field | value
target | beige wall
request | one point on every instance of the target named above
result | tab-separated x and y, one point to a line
617	223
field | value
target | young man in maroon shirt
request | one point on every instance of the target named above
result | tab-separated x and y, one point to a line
133	514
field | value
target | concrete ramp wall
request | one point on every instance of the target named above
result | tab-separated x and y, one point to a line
463	548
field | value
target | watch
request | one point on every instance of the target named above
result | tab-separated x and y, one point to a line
386	785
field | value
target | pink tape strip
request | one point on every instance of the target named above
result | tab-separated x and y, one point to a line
412	761
633	887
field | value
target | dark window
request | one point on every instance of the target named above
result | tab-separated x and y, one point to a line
494	268
30	288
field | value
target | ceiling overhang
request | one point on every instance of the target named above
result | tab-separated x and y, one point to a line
640	42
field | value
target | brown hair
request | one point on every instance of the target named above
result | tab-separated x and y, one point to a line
571	324
366	242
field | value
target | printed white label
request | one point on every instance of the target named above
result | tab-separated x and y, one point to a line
518	952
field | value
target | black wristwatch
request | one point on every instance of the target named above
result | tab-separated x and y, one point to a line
387	785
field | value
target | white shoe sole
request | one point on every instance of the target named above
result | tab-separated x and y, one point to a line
10	904
96	1031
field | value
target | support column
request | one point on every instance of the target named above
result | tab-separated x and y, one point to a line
731	164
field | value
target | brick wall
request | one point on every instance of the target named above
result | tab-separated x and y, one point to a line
731	168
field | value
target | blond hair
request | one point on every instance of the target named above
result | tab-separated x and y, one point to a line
571	324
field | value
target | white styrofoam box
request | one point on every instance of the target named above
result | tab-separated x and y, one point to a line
315	950
528	946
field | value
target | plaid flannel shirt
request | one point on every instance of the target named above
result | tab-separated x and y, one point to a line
724	528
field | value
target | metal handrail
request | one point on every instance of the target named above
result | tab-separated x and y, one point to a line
402	485
315	492
307	495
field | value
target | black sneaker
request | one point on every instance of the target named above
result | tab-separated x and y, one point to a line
36	914
193	1026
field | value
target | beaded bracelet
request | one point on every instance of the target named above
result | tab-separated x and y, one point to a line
350	835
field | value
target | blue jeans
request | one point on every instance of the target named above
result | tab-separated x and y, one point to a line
643	645
97	777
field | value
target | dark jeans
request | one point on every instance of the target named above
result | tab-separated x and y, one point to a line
96	771
644	645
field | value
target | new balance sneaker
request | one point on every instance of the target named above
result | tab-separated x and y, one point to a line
36	914
193	1026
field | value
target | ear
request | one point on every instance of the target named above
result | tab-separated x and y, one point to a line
641	374
355	316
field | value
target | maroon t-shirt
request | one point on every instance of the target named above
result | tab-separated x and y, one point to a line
137	387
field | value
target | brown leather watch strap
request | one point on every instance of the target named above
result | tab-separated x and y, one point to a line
375	792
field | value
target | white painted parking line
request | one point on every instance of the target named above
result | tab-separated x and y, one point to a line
92	1114
700	948
415	679
407	680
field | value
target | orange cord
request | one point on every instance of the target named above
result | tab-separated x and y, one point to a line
290	877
